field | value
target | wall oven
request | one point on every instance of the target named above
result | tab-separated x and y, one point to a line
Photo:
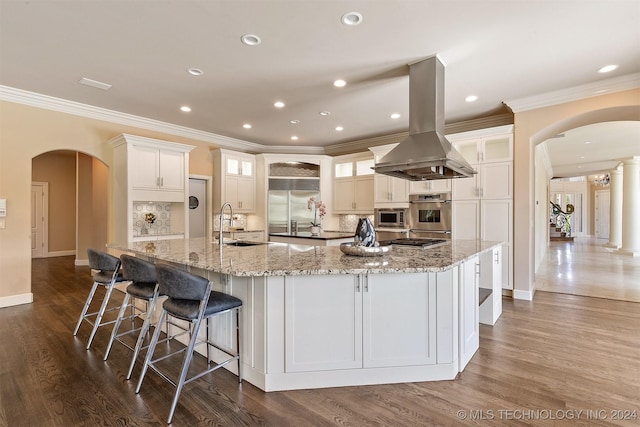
430	215
390	218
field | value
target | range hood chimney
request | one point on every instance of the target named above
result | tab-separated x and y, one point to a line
425	154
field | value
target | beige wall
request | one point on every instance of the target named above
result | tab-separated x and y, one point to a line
58	168
531	128
27	132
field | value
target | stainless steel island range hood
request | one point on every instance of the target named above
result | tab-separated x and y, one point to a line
425	154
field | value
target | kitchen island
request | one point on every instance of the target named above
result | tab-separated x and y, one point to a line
315	317
324	238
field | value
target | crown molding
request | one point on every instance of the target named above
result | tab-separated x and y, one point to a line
38	100
589	90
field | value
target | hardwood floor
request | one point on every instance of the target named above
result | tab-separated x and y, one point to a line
543	360
587	267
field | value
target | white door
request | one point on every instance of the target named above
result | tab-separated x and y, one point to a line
39	219
602	214
197	207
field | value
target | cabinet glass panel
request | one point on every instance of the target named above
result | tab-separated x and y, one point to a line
247	168
233	166
344	170
363	167
497	148
468	150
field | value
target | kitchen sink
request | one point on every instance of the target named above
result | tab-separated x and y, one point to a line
244	243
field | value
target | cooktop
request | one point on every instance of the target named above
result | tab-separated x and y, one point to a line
414	242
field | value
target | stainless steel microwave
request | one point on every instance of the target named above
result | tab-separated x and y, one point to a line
390	218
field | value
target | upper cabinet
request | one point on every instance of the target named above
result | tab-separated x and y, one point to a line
487	149
149	175
389	191
353	184
234	180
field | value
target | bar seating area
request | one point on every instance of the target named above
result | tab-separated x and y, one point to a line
190	302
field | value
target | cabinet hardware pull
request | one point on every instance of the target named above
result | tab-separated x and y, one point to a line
357	284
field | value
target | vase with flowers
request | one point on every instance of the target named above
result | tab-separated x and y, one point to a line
319	210
149	218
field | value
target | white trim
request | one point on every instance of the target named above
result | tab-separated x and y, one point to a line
602	87
81	262
524	295
480	133
16	300
60	253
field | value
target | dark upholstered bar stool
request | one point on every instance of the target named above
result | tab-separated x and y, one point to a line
190	298
144	286
106	272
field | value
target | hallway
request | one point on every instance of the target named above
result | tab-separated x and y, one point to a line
586	267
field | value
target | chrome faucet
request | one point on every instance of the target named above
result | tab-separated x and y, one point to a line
221	220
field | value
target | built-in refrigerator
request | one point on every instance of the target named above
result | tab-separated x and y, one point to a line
288	200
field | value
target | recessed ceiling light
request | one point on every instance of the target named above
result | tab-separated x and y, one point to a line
185	109
340	83
251	40
339	128
351	18
607	68
278	104
395	116
325	113
247	126
471	98
587	142
195	71
294	121
294	138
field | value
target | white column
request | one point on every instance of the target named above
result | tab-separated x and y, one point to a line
615	209
630	207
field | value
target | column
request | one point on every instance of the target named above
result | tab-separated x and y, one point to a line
615	209
630	207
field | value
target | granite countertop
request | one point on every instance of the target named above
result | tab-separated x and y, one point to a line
279	259
324	235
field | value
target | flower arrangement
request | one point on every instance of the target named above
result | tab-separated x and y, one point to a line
150	217
319	210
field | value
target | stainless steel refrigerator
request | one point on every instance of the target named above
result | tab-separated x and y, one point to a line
288	199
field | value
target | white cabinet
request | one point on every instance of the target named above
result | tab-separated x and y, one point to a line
149	172
377	320
390	191
234	180
491	278
483	204
353	184
157	169
468	284
433	186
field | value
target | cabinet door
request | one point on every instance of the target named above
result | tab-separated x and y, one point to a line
246	195
399	320
497	225
343	195
171	170
466	188
231	191
465	219
143	166
363	197
469	149
468	312
315	339
434	186
497	180
497	148
399	190
381	188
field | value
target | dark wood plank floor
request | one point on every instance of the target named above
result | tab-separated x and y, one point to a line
542	361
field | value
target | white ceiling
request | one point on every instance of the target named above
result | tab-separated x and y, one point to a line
498	50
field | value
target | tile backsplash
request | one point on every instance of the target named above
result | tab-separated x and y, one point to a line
348	223
162	224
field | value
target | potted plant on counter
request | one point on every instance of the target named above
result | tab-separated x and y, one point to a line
319	210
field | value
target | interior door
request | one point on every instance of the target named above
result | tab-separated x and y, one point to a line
39	220
197	207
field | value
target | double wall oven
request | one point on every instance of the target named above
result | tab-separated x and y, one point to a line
430	216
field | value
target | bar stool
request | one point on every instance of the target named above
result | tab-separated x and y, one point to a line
191	299
144	286
105	272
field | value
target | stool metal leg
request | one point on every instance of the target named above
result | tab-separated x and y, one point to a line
143	332
151	349
103	307
86	307
116	327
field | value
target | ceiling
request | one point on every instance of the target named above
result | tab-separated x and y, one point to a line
500	51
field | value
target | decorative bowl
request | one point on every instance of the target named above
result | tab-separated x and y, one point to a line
350	248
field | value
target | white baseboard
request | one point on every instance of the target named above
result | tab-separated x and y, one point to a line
16	300
525	295
81	262
60	253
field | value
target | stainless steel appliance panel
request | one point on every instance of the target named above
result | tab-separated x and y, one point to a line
431	213
390	218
